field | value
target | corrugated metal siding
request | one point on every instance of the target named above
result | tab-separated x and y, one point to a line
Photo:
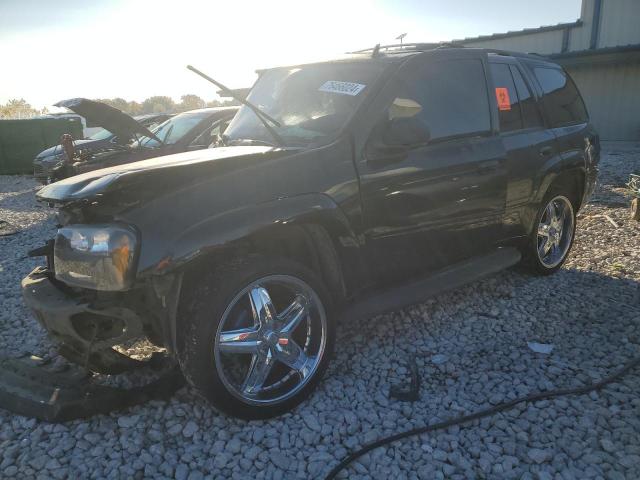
619	23
580	37
612	95
543	43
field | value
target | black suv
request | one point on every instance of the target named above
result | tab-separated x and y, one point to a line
343	188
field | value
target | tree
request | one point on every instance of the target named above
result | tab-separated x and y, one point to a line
223	103
158	104
134	108
119	103
190	102
214	103
131	108
18	108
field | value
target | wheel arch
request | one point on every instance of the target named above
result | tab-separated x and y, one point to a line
311	229
568	180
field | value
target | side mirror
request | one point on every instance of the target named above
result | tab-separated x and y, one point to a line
405	132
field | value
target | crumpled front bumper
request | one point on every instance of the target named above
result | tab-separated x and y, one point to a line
84	330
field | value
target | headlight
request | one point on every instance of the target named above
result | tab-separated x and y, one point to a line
100	257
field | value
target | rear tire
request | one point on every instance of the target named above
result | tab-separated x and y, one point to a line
552	237
234	344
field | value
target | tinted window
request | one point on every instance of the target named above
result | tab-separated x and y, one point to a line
450	97
506	98
530	112
561	98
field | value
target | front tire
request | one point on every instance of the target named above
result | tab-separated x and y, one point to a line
255	335
553	234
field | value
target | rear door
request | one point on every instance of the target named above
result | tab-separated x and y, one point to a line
567	116
443	201
528	143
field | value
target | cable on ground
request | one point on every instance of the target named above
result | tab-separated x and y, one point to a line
483	413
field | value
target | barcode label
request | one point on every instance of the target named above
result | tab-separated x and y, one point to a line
344	88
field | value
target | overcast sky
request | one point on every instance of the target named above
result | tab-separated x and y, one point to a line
52	50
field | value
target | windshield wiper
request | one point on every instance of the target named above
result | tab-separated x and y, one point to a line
264	117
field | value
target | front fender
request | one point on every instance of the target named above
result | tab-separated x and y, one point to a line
221	230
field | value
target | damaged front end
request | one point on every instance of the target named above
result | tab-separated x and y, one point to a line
90	331
101	318
89	303
85	329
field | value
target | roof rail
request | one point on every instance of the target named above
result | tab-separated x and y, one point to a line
400	47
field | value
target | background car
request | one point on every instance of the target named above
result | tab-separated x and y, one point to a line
192	130
100	140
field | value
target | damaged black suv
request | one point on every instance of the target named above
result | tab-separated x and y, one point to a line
343	188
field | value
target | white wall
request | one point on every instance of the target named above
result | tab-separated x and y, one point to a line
612	95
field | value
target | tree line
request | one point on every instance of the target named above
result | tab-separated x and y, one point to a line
19	108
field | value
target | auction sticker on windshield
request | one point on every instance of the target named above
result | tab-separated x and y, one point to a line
344	88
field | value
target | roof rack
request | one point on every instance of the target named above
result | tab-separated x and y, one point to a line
409	47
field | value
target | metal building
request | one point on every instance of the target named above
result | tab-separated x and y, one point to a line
601	51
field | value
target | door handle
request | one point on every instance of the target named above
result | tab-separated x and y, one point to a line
546	151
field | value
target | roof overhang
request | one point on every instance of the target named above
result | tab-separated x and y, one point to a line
518	33
619	54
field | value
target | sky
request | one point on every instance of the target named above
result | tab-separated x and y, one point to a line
53	50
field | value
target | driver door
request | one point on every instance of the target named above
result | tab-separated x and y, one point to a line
441	201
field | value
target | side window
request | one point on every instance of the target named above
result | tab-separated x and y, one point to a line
449	97
530	112
506	98
561	98
210	135
203	139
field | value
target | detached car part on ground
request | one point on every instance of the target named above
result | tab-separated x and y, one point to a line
357	186
102	140
187	131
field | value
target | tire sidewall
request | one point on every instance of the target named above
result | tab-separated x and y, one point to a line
205	298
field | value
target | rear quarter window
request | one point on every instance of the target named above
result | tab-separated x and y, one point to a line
530	113
560	97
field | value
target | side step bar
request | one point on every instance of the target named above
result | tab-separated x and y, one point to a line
377	302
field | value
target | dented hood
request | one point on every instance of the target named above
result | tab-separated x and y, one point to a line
114	120
155	175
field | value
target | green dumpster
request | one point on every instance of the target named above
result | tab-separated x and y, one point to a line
22	140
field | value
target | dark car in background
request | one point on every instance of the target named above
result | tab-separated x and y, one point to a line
192	130
187	131
100	140
343	189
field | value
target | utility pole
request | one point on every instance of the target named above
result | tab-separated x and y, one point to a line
401	37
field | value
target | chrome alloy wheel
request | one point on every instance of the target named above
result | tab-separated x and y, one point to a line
555	231
270	340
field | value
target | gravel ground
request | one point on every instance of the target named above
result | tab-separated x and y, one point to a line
471	349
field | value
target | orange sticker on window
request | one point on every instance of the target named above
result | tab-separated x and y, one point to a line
502	95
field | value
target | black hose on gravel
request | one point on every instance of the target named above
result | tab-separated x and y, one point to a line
483	413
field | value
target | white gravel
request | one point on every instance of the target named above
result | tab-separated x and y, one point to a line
471	350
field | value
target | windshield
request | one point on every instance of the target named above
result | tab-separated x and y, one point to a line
173	129
312	103
101	134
